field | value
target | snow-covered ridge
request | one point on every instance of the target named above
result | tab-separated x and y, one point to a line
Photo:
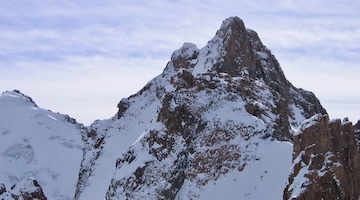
36	143
16	97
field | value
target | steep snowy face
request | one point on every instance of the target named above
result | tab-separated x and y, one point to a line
205	125
38	144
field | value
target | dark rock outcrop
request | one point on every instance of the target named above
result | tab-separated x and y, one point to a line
2	188
357	133
326	161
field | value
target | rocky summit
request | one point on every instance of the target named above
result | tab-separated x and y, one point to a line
220	122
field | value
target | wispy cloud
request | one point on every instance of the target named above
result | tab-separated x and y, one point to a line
93	53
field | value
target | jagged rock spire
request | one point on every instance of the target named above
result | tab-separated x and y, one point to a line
244	52
235	45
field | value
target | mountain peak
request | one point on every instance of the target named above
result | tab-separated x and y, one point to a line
231	20
243	51
232	26
16	96
234	50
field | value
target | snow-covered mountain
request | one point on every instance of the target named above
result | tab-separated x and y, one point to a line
220	122
216	123
38	144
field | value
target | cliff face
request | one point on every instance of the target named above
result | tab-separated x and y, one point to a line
326	161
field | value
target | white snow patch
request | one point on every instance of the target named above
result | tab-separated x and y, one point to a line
300	182
262	55
308	123
208	56
51	117
186	51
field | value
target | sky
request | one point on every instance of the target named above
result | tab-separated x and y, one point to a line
82	57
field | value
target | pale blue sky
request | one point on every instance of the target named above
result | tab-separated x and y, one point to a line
82	57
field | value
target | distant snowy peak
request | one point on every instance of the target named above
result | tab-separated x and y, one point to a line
38	144
16	97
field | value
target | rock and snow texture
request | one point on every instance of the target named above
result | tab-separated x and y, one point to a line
326	161
213	124
38	144
26	189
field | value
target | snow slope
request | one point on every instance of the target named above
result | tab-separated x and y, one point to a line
110	138
38	144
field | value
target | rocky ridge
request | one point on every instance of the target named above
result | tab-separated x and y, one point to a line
326	160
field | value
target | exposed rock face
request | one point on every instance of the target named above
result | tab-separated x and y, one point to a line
326	161
204	117
27	189
357	133
357	126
